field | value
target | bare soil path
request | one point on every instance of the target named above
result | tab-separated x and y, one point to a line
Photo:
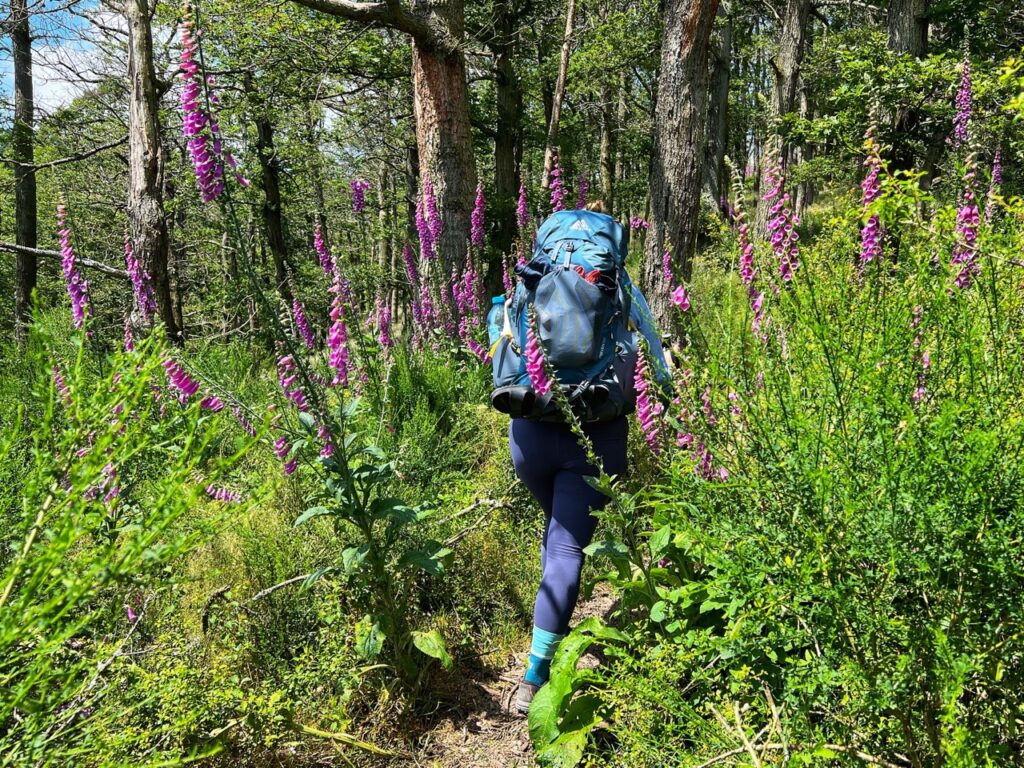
476	726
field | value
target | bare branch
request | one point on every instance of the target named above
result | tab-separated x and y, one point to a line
46	254
70	158
389	14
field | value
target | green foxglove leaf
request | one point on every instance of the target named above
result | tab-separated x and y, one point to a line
432	644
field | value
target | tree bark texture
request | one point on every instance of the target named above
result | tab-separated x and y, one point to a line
440	103
715	177
551	148
786	65
509	97
607	149
273	218
23	146
146	218
908	27
680	117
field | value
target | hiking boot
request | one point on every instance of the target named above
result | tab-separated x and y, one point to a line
526	693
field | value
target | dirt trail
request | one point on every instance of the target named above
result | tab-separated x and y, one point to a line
477	727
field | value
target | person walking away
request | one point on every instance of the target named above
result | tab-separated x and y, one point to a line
576	299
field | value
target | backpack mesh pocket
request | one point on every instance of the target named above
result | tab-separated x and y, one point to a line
571	314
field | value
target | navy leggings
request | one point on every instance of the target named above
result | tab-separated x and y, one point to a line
551	463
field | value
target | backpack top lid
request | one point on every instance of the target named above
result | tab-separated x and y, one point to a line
597	228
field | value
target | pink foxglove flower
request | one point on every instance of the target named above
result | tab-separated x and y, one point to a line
535	368
639	222
506	278
337	336
476	230
223	494
558	191
129	336
62	387
522	213
302	323
968	219
871	233
179	379
647	410
288	376
359	187
384	324
244	422
322	250
584	190
140	281
78	286
964	98
666	266
680	298
781	222
424	231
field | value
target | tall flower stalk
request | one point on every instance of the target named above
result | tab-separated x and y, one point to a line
536	370
781	222
202	131
359	187
968	219
963	103
323	252
140	281
647	409
77	285
558	190
584	190
476	229
871	232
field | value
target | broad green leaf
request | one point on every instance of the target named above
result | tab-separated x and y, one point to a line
352	557
307	421
660	540
369	637
310	513
432	644
432	558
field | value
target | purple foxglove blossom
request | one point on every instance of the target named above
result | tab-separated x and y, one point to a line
535	368
522	214
506	278
302	323
244	422
212	403
558	190
140	281
288	377
581	197
781	222
281	448
359	187
423	230
337	336
201	130
179	379
62	387
709	413
680	298
131	615
476	230
647	410
964	97
322	250
129	336
968	219
223	494
384	324
994	185
433	217
109	484
327	444
871	233
411	270
666	267
78	286
478	349
639	222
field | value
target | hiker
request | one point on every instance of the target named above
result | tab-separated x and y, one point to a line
590	336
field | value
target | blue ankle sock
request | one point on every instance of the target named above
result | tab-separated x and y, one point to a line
542	650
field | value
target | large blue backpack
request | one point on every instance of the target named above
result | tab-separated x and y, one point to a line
581	297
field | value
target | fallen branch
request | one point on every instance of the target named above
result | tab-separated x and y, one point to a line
80	261
348	740
271	590
852	751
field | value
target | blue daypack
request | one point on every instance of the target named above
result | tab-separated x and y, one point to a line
582	298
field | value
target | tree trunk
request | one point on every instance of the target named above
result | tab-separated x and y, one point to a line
787	63
718	116
509	97
147	221
23	141
621	113
551	148
273	219
443	137
680	116
607	151
908	27
908	34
